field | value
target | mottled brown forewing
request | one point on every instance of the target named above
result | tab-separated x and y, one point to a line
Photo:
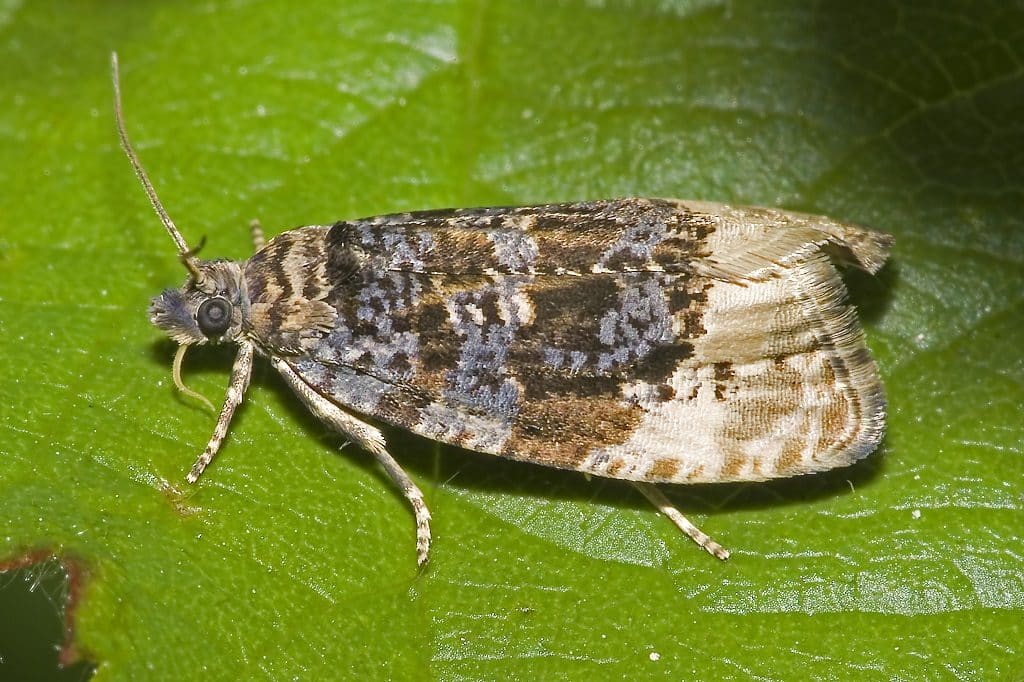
643	339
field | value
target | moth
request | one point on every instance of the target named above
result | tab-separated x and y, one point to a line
649	340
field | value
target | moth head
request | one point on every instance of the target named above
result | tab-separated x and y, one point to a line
208	308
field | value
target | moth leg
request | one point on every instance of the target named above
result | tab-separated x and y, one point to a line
658	499
240	373
256	230
368	438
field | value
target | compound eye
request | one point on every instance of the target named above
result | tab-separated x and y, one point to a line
214	316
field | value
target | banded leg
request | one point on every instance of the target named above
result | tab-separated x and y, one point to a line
370	439
658	499
240	373
256	231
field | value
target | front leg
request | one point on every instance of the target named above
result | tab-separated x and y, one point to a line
240	374
369	438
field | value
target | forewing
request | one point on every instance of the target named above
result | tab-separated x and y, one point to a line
641	339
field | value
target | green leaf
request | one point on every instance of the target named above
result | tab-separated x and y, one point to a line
291	559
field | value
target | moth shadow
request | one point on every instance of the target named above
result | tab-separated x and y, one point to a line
872	295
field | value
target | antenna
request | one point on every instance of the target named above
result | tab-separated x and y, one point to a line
187	255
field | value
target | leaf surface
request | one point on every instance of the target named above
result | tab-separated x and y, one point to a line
292	559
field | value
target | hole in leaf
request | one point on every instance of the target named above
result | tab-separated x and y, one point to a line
38	593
